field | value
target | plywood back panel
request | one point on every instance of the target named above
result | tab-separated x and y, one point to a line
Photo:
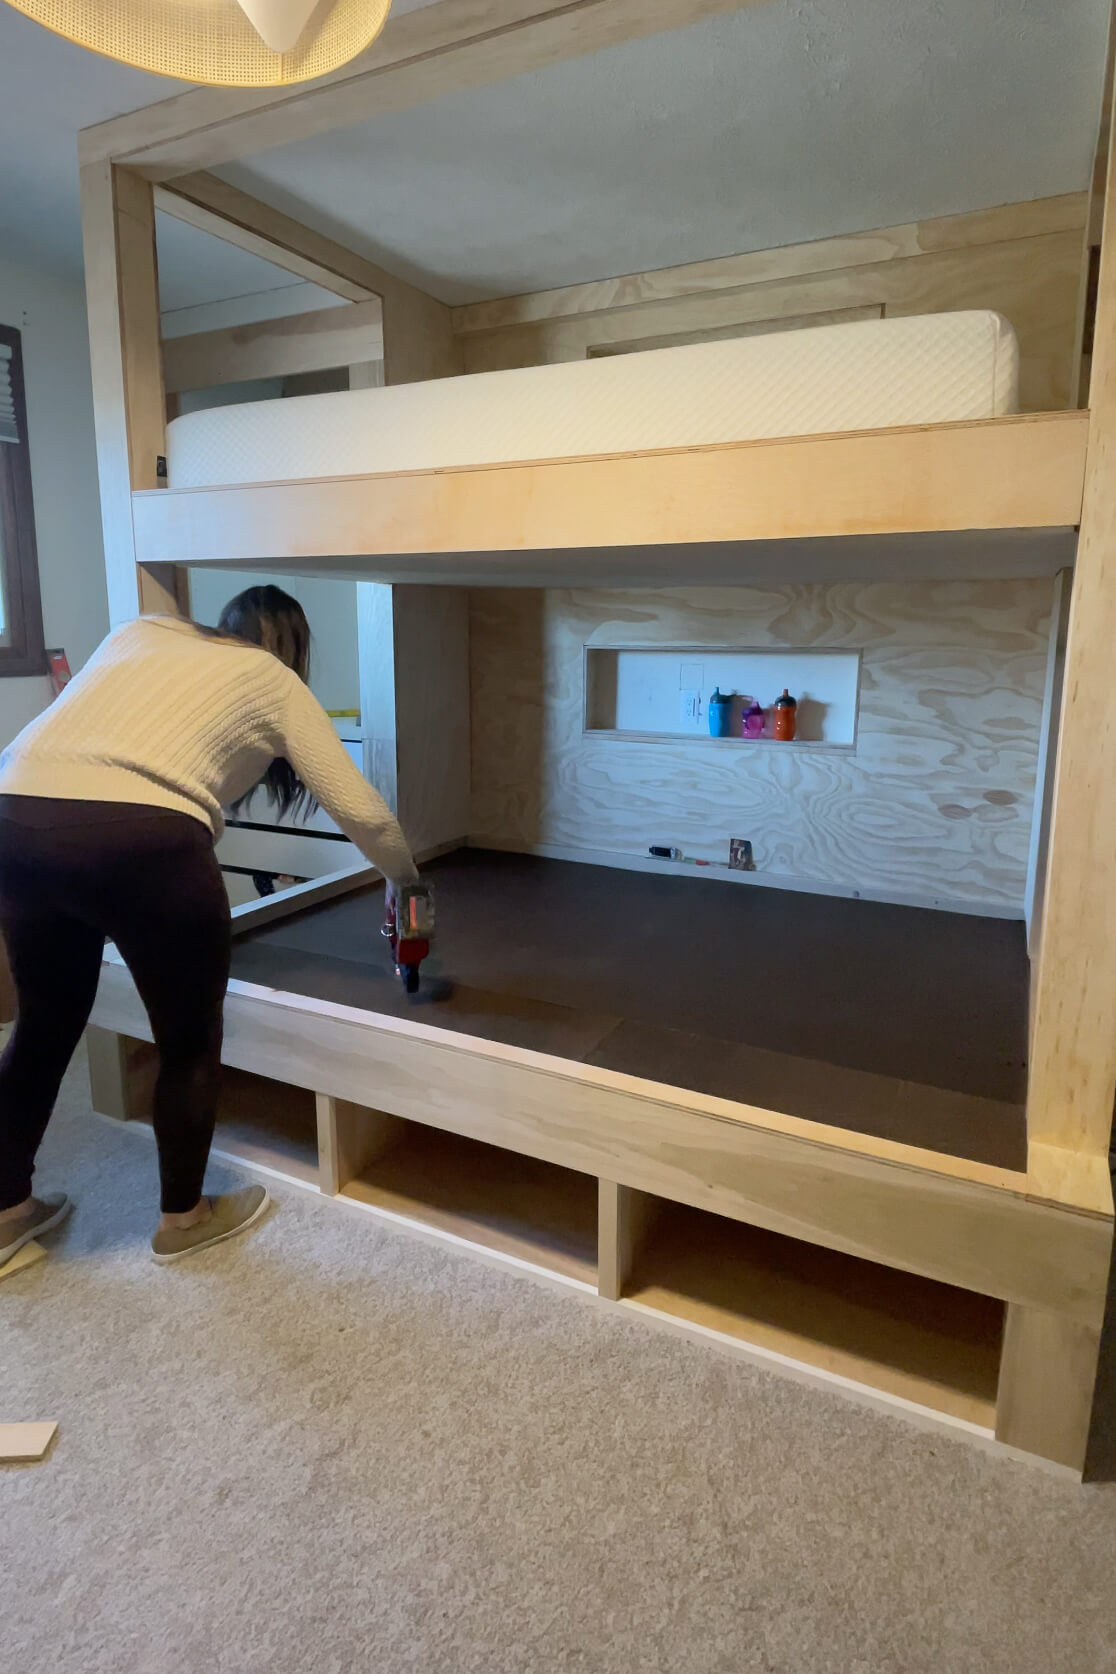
1023	260
933	804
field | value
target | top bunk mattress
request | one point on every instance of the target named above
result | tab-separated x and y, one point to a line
868	375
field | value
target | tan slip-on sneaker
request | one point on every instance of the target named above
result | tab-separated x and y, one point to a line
232	1213
47	1213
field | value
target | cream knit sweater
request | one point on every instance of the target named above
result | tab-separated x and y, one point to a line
167	716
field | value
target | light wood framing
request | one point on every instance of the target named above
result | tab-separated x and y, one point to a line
414	698
1047	761
1047	1376
993	474
442	49
417	330
626	1219
1008	223
129	403
1073	1062
1022	260
967	1224
1039	1241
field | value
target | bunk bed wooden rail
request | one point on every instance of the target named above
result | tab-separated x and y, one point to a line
1023	472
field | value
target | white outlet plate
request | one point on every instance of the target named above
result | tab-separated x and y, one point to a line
689	708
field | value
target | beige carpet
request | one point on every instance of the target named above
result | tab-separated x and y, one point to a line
336	1448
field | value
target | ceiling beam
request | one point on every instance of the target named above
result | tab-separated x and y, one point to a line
213	206
445	48
264	233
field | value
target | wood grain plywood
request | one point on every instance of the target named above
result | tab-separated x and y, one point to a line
934	804
1033	281
1001	225
1015	473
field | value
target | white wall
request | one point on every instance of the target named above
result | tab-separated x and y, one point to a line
50	314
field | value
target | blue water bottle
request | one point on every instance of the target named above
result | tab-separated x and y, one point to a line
720	714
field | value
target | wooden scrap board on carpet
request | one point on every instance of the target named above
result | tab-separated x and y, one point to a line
20	1442
27	1257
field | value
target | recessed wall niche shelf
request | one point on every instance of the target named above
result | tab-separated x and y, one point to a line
649	692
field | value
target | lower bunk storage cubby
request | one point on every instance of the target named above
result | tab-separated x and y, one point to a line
270	1124
494	1199
892	1332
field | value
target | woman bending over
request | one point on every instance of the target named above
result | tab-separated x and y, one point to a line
110	805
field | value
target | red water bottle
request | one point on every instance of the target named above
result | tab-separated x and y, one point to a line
786	717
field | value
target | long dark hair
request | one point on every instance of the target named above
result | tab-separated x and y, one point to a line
273	620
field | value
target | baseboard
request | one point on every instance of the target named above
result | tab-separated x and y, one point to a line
626	862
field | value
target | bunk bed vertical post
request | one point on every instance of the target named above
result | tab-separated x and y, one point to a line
1049	1363
376	672
413	641
418	337
1073	1068
413	648
1094	221
129	403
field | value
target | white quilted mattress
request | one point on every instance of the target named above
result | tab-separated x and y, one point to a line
864	376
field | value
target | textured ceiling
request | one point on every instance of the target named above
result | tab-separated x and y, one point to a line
789	120
792	119
49	90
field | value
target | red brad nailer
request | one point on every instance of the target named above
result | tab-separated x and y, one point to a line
409	927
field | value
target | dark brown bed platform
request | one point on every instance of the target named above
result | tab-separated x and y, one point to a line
897	1021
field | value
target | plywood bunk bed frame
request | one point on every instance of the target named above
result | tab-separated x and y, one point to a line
828	1224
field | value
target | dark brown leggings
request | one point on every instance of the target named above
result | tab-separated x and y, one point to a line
71	874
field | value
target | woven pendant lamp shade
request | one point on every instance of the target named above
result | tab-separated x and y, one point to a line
211	41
